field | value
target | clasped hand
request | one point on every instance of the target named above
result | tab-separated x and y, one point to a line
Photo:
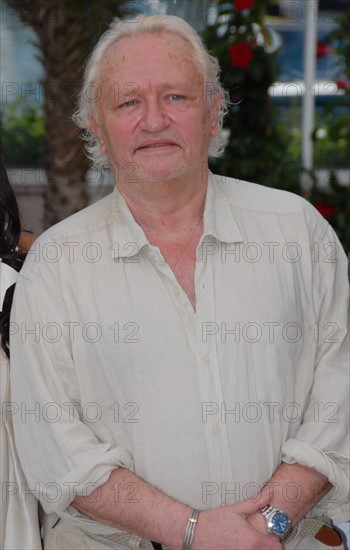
235	527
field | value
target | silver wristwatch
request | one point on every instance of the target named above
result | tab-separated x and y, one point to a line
278	522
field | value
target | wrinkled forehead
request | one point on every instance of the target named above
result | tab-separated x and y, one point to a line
152	48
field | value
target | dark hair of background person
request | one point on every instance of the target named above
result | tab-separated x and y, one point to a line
10	229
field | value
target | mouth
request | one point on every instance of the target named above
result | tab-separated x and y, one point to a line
156	145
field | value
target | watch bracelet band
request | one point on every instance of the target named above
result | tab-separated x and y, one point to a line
267	509
190	529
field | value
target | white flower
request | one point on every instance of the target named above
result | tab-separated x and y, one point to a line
321	133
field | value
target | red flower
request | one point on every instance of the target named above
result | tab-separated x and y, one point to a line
343	84
327	210
241	55
240	5
323	49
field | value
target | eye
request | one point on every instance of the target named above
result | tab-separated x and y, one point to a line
129	103
176	97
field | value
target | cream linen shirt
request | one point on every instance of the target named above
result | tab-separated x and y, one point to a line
112	367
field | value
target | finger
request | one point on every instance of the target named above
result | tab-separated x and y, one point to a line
253	504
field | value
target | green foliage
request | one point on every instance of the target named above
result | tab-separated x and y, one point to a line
22	132
343	35
331	136
334	148
258	142
265	142
332	140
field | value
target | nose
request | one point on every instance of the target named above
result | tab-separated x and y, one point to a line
154	117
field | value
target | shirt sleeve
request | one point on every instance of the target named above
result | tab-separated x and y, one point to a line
322	440
60	455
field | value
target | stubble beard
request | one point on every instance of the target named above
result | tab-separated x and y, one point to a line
164	173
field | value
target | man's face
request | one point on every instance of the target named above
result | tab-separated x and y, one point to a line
154	120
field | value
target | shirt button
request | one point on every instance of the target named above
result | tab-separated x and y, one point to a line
205	359
176	291
216	429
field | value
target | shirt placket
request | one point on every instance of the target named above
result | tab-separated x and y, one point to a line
218	488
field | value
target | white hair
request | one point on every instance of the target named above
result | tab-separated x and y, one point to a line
121	28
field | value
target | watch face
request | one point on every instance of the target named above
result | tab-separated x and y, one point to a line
280	523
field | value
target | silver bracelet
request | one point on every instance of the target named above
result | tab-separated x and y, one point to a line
190	529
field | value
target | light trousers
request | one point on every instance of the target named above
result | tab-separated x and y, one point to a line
67	537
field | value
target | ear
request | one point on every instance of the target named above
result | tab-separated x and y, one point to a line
99	133
215	114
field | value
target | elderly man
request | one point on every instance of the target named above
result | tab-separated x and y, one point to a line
180	347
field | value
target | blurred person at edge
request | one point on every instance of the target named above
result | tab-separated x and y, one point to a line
19	507
161	420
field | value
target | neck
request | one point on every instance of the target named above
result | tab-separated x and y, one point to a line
167	206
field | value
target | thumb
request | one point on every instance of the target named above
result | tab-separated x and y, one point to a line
253	504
